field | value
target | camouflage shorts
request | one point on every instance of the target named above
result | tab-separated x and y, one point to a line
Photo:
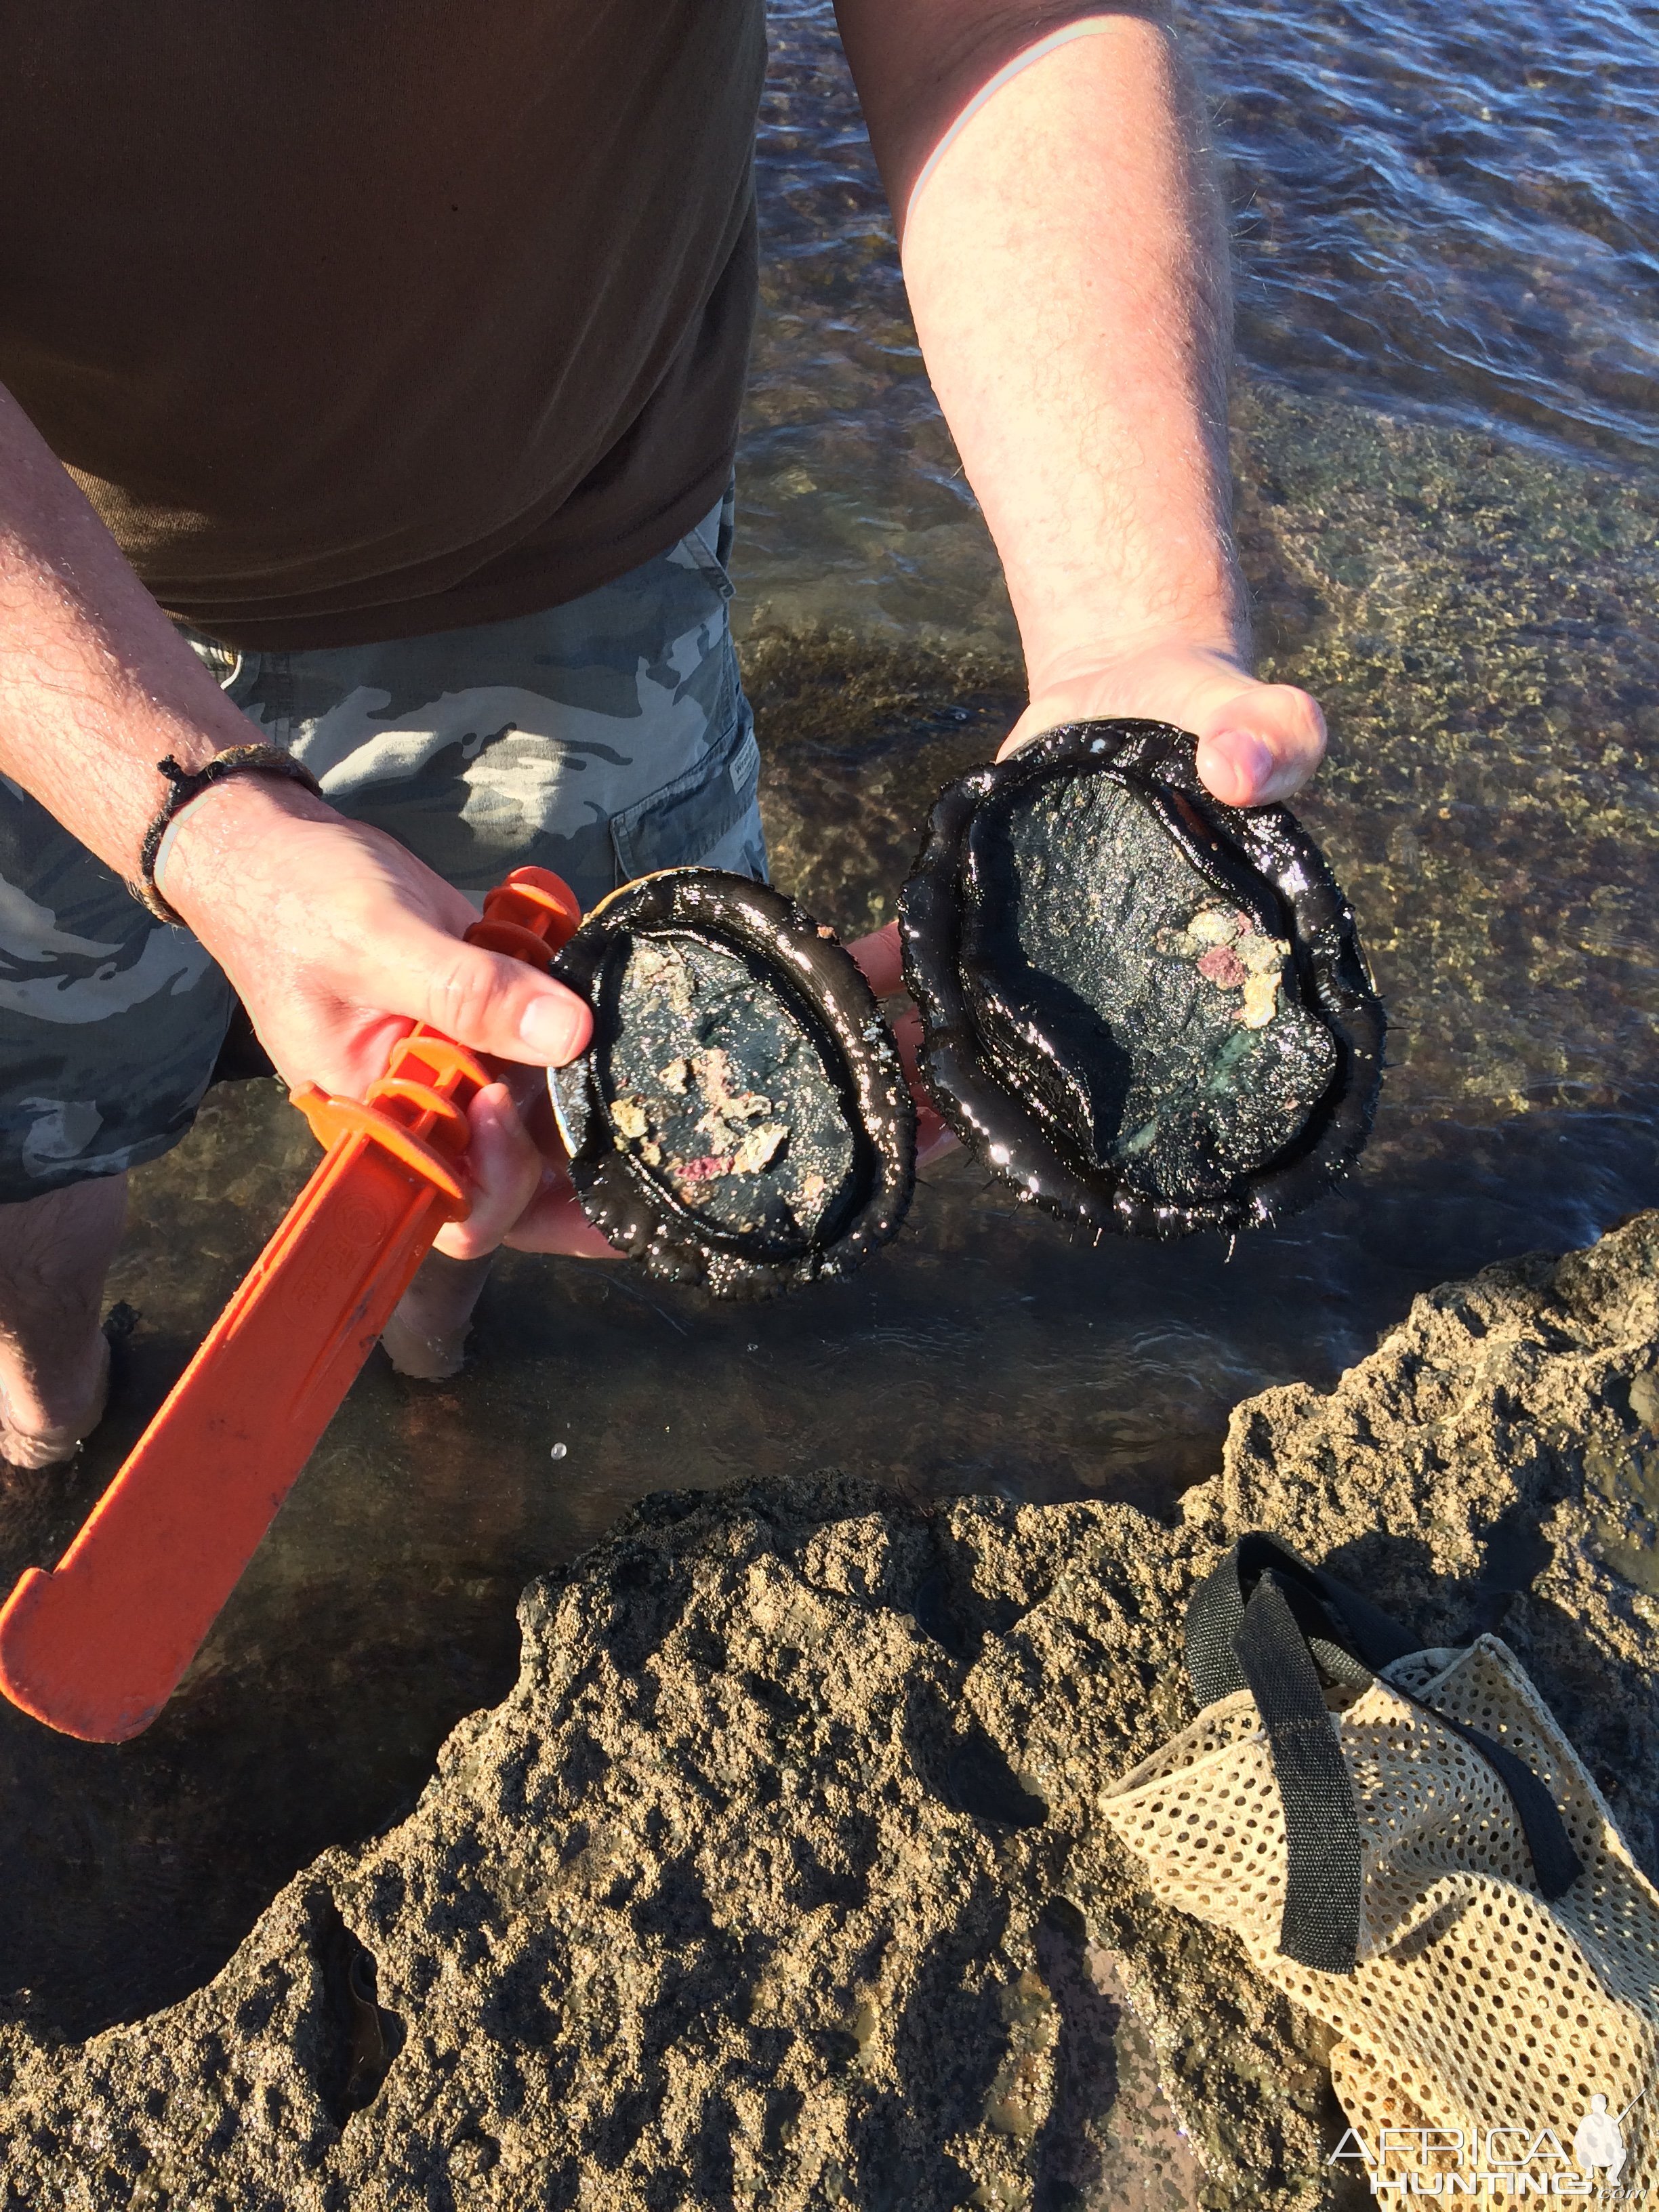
603	738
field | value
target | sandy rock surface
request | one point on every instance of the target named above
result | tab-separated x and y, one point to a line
777	1879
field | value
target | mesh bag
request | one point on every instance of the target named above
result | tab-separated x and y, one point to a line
1407	1845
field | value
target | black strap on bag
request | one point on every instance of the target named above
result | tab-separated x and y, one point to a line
1351	1640
1267	1622
1323	1887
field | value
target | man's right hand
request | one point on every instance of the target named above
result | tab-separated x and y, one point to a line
338	941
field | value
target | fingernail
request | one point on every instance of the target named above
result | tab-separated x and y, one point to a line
1250	755
492	1103
553	1030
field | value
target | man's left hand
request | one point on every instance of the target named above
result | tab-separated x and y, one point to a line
1256	742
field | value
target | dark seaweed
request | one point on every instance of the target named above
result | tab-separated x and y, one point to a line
740	1117
1147	1010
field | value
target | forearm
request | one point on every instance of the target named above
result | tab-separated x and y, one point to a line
1067	267
336	938
96	685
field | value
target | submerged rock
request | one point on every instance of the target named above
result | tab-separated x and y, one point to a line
778	1879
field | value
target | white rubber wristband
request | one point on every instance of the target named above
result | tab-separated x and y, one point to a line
158	869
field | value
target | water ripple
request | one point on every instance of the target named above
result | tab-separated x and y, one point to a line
1456	209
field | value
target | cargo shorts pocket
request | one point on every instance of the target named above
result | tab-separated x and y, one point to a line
683	821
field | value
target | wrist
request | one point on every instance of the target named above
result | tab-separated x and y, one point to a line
208	849
1136	660
1207	614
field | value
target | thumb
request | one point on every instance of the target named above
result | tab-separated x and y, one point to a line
1262	744
484	1001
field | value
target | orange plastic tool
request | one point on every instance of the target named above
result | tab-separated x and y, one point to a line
95	1648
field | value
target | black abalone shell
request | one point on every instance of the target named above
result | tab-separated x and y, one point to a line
740	1117
1148	1010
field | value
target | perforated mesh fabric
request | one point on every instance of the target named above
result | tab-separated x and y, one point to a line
1474	2003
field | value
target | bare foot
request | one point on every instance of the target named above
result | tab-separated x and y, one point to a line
30	1437
426	1337
55	1251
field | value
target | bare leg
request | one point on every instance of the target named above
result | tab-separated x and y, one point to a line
55	1251
426	1337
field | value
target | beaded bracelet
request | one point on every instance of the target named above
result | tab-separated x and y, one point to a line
186	784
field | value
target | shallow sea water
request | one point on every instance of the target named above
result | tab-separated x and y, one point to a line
1451	526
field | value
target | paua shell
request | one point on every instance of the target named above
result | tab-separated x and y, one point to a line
740	1118
1148	1010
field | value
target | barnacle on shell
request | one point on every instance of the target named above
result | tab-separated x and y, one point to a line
1149	1012
740	1117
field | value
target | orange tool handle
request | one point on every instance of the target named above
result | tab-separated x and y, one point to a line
417	1110
95	1648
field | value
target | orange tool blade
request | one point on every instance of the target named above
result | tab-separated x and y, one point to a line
95	1648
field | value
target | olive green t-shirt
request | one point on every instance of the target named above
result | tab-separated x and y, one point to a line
359	318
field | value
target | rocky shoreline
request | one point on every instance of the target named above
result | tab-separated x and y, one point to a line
777	1879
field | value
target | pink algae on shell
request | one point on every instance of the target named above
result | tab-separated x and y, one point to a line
701	1170
1222	966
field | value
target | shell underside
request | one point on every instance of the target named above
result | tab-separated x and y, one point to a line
741	1118
1147	1011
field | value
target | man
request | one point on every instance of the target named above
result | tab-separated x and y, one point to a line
395	352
